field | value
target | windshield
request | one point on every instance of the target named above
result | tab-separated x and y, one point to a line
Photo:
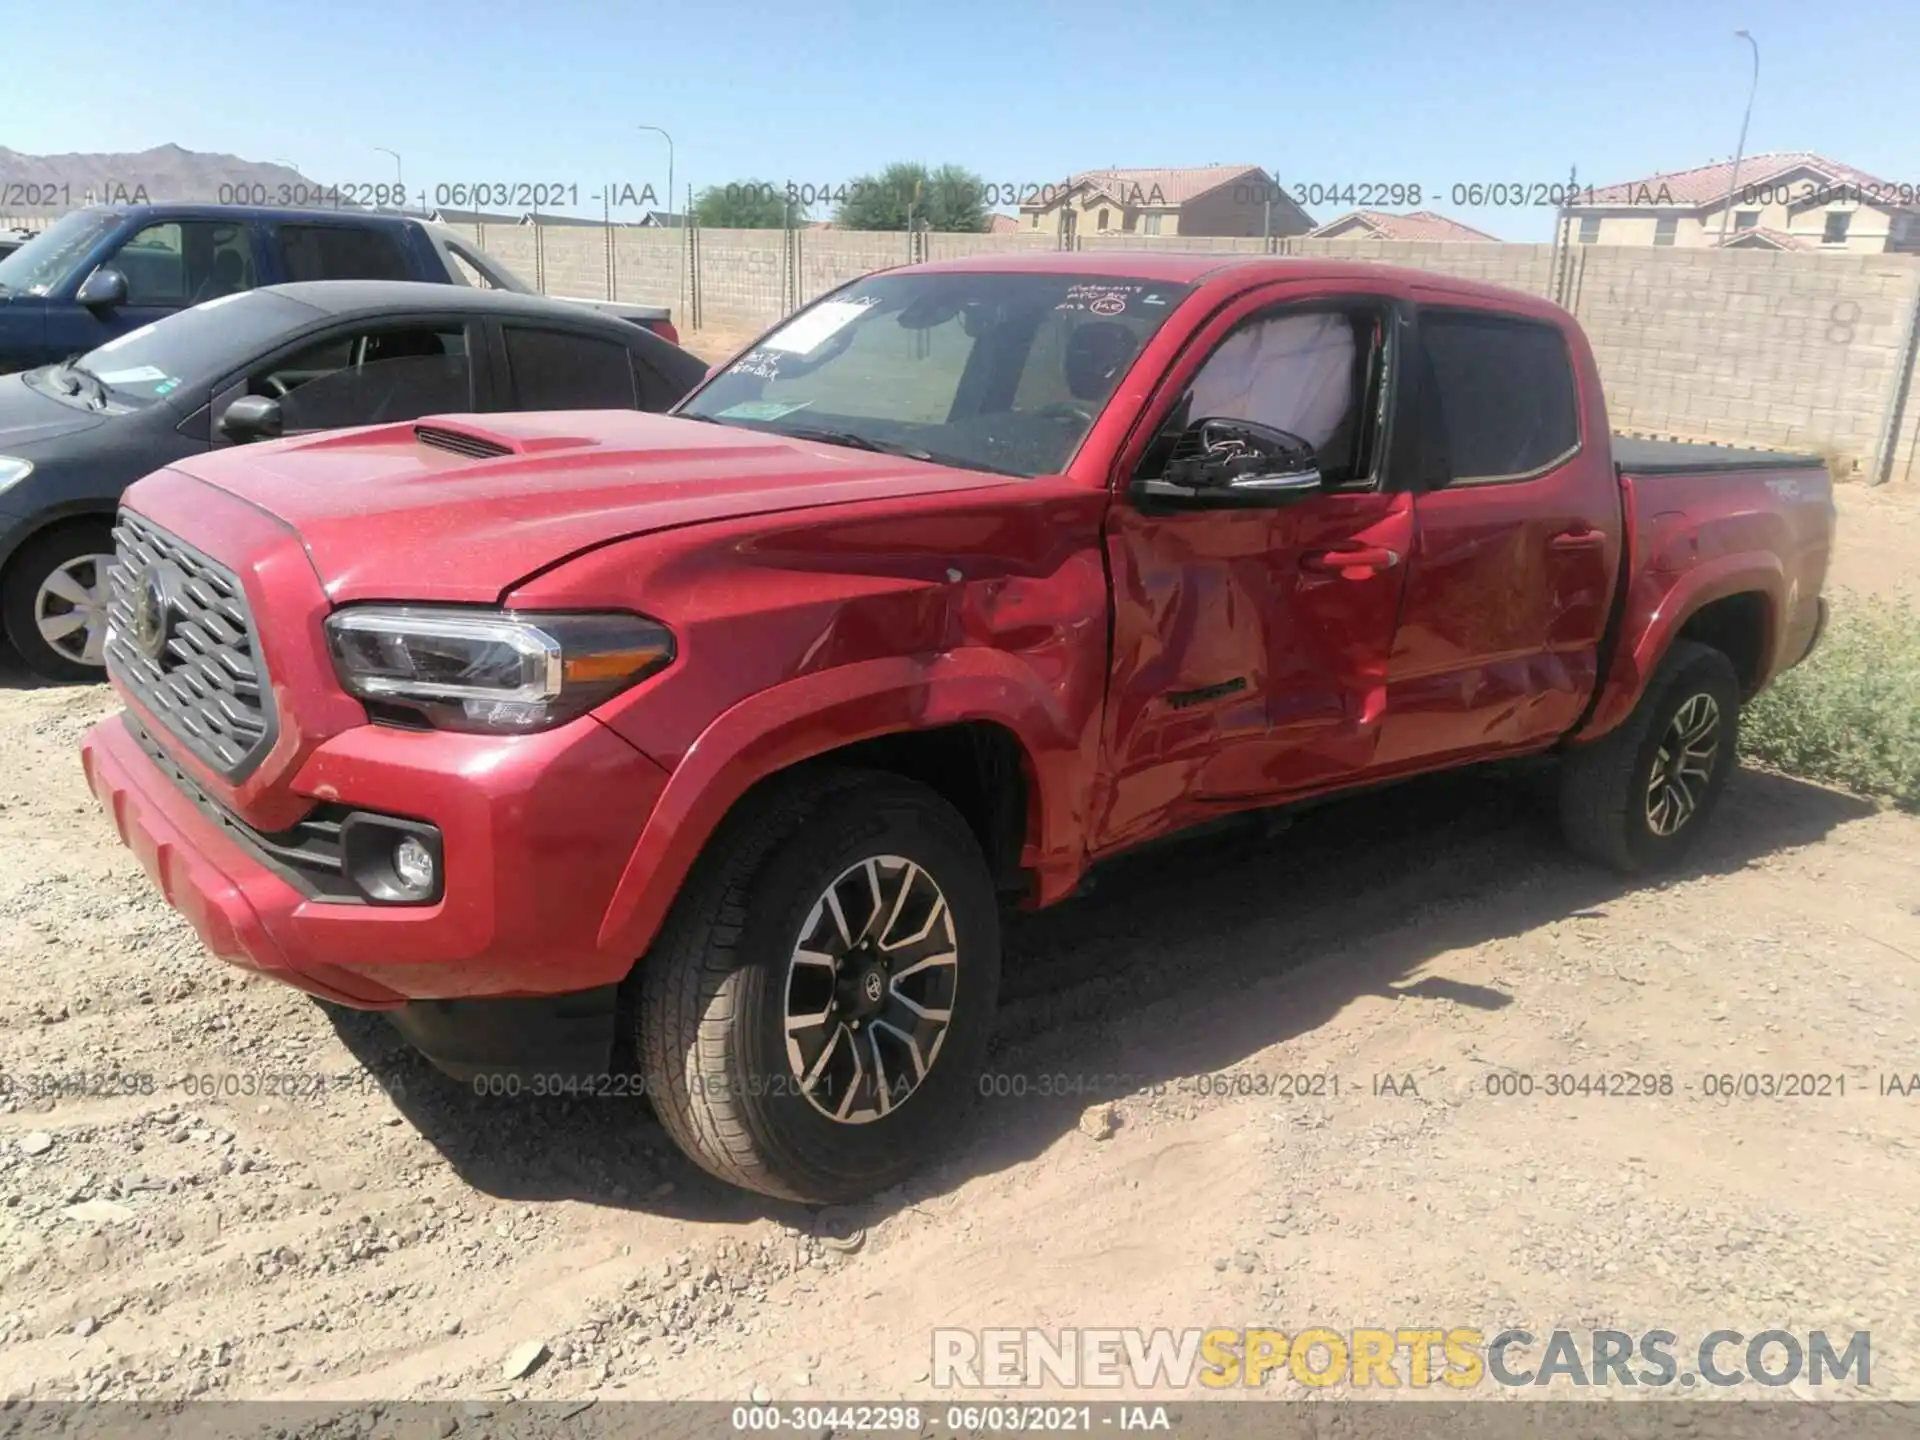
991	371
192	347
47	259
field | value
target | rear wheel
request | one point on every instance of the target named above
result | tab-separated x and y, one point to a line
54	601
1636	799
812	1019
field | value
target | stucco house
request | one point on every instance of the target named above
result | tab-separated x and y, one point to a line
1793	200
1198	200
1383	225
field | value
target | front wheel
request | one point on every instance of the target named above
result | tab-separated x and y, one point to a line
54	602
812	1019
1635	799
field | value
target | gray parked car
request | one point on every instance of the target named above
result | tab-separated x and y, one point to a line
280	360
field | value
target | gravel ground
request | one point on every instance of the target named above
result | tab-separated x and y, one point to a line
264	1197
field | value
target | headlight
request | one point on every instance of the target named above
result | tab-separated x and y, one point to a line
13	470
492	670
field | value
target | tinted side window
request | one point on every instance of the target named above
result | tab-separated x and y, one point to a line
553	370
371	377
183	262
340	252
656	391
1503	391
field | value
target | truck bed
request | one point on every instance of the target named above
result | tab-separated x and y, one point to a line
1672	457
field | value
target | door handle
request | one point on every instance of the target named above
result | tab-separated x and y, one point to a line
1588	539
1336	561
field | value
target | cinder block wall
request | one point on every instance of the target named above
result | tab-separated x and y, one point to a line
1793	351
513	246
830	258
647	267
741	277
1518	267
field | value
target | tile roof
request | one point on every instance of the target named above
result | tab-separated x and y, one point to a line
1775	239
1152	187
1706	185
1382	225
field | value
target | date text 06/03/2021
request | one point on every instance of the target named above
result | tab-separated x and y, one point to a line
975	1419
52	1087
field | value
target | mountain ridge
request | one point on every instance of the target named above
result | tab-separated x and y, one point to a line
37	185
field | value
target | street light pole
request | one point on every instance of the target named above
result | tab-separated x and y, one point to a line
669	139
399	178
676	224
1733	183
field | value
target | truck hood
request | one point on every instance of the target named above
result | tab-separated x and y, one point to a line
399	512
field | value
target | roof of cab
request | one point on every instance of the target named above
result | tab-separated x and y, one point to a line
1238	271
171	209
340	297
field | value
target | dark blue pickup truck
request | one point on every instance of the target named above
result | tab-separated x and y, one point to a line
100	272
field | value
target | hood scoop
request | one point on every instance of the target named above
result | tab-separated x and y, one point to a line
461	442
478	442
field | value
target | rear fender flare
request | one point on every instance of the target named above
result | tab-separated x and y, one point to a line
1637	660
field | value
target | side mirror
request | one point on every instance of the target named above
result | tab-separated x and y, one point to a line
1237	461
103	289
251	417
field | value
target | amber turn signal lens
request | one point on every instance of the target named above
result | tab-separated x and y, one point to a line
613	664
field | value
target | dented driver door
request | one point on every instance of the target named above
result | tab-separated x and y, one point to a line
1251	644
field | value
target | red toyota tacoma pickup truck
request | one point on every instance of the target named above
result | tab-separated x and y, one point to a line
728	731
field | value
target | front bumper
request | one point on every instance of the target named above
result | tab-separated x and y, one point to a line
536	832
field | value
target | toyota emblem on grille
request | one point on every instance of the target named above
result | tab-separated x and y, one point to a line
152	613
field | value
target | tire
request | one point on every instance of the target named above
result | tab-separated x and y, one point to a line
25	606
715	990
1610	811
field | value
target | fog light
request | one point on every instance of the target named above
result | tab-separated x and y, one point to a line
413	866
391	860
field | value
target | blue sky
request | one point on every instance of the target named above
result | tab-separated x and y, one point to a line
819	91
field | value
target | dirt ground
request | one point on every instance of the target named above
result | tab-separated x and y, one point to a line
385	1233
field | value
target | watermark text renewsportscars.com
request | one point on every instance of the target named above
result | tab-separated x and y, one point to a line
1415	1357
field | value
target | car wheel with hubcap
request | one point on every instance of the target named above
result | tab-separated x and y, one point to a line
55	602
1636	798
812	1018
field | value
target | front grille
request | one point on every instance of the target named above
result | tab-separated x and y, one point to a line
309	853
199	672
459	442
